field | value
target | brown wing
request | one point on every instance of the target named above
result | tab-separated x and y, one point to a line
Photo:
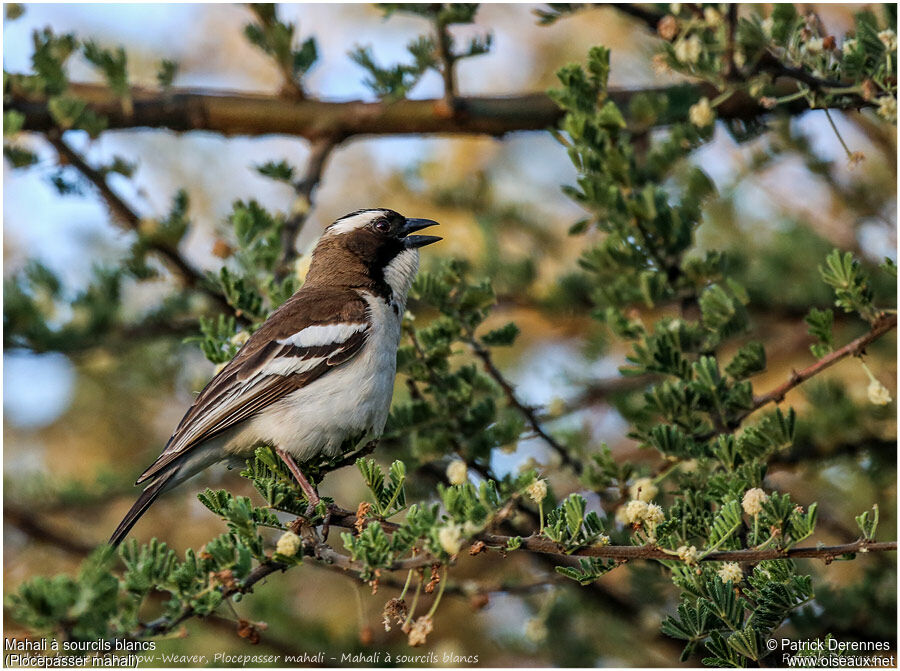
281	357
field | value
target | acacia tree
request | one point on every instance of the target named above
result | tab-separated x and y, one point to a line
705	509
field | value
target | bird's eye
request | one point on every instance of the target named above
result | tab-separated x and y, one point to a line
382	225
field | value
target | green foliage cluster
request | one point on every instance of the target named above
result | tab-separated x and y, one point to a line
695	414
429	52
276	38
857	69
685	315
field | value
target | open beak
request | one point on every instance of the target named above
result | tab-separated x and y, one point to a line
414	241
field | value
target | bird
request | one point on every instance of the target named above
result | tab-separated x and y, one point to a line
319	370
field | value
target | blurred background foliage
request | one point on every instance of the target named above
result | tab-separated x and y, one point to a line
97	370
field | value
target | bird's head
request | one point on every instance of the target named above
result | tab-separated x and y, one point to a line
379	244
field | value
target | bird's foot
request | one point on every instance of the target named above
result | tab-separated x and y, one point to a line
327	521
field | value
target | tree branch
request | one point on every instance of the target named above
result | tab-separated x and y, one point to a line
35	528
542	545
448	60
232	113
528	412
190	276
883	324
319	151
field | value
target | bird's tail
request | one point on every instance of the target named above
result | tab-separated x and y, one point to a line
145	500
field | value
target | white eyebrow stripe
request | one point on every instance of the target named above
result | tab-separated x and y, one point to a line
353	223
327	334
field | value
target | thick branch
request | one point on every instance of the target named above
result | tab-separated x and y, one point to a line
232	113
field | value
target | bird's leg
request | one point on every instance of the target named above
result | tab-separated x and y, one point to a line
307	488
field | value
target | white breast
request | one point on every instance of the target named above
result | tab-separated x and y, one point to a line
353	398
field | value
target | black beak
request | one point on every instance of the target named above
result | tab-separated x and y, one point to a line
414	241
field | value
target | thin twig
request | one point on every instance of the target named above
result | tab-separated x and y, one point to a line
126	217
883	324
290	86
37	529
732	19
528	412
304	188
543	545
448	60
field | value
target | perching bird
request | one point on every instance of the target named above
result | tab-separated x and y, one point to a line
319	370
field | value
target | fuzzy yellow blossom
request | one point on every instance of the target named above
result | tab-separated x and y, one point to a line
457	472
660	64
240	338
688	555
701	113
689	50
535	630
887	108
878	393
654	515
602	540
450	539
888	39
288	544
643	489
753	500
731	571
848	46
537	490
712	16
418	634
635	511
814	46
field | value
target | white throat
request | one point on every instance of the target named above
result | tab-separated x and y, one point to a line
400	273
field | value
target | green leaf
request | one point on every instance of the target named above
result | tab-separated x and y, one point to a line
749	360
281	171
501	337
853	292
609	116
13	121
820	327
166	73
113	65
868	524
